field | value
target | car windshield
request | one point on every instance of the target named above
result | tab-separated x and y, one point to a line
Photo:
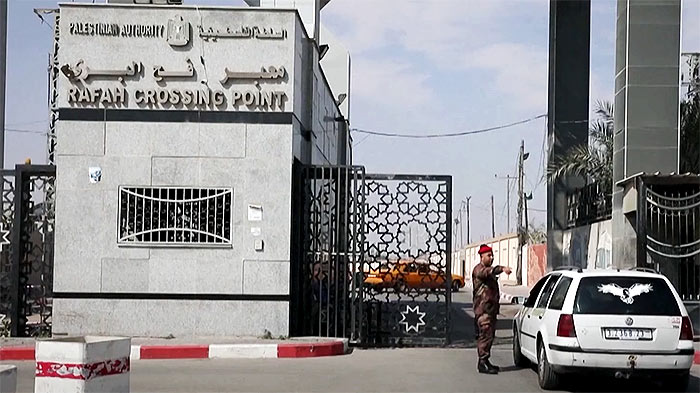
625	295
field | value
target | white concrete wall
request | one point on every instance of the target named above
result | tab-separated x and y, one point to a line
589	246
505	253
336	67
317	137
308	11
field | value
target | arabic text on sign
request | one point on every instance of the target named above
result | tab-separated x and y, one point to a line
211	33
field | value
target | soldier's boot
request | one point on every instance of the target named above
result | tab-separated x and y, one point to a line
486	368
488	364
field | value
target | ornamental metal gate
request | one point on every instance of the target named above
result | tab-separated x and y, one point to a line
327	223
668	234
371	256
26	250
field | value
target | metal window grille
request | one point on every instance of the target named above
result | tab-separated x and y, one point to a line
588	204
175	216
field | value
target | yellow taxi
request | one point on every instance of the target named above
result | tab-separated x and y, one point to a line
403	275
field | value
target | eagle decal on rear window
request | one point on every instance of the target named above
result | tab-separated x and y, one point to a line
627	295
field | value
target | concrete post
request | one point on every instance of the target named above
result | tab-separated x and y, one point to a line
647	69
83	365
569	77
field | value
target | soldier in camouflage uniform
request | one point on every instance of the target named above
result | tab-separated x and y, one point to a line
486	305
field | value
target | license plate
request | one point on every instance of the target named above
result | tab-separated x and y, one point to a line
627	334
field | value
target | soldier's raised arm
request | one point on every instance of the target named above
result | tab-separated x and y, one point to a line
483	272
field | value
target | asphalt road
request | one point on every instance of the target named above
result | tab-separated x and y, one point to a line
386	370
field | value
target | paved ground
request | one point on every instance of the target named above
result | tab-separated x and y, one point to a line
463	321
386	370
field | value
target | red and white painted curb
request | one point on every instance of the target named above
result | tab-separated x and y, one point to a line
290	349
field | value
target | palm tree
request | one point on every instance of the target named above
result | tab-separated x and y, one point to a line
690	135
690	121
592	160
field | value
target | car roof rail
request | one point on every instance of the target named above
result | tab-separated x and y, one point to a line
569	267
643	269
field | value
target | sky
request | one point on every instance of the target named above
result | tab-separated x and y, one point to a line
430	66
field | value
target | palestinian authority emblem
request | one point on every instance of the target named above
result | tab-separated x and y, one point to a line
178	32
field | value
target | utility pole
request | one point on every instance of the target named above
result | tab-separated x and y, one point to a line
458	226
508	178
527	221
469	239
3	74
521	204
493	221
461	224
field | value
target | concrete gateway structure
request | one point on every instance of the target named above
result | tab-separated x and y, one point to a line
178	129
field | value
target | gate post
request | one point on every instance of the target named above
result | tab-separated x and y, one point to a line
21	246
16	255
641	223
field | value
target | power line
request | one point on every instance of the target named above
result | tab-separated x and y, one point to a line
360	141
543	159
448	135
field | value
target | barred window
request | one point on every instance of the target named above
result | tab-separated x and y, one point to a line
175	216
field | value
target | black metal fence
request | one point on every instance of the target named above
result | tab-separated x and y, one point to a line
27	244
326	251
370	256
668	234
589	204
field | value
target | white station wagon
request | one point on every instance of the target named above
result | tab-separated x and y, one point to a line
621	323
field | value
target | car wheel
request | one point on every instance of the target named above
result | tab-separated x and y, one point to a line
547	378
676	383
518	358
455	286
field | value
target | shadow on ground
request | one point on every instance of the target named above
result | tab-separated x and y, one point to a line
607	384
463	333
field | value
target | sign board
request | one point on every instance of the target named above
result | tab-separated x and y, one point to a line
176	58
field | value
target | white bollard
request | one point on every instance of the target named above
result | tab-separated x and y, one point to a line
8	379
83	365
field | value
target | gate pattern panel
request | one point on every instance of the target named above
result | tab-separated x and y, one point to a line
6	222
326	248
407	289
27	238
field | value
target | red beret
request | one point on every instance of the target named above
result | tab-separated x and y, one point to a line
484	249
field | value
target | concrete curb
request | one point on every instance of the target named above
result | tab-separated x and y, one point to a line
291	349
